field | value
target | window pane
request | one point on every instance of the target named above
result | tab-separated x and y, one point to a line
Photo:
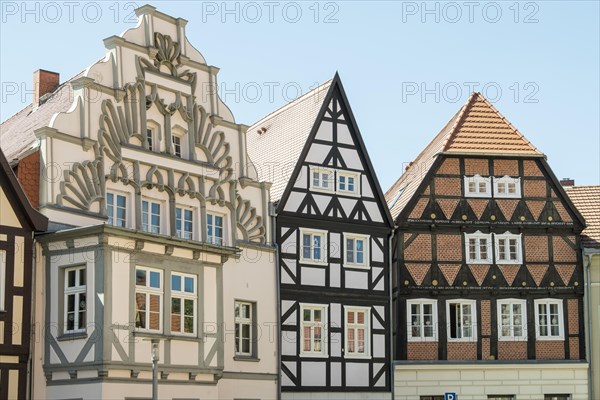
71	277
140	277
306	246
307	339
350	184
306	316
316	179
176	283
325	177
342	183
189	284
351	341
350	316
350	250
317	247
317	315
154	279
82	277
359	252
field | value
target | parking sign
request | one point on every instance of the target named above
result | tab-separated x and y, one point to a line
450	396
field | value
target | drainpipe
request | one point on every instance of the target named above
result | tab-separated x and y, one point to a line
587	261
391	316
273	215
34	332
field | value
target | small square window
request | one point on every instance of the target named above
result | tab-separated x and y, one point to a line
477	186
356	251
348	183
322	179
507	187
313	246
508	248
478	248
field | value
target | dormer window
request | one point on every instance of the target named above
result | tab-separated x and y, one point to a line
322	179
348	183
478	186
507	186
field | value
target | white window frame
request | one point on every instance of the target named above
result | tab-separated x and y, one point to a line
76	291
434	320
366	254
561	322
355	326
331	180
2	280
150	227
324	248
348	174
153	131
478	179
115	206
462	302
324	308
183	295
505	180
240	322
177	142
519	247
147	290
212	239
181	232
478	235
512	337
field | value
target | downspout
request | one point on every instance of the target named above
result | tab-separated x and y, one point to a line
391	316
588	337
273	215
33	334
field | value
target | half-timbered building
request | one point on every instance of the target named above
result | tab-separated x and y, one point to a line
332	230
488	288
18	222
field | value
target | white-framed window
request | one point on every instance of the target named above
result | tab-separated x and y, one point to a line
557	397
148	299
501	397
214	228
507	186
2	279
75	306
183	303
422	320
512	319
478	248
184	222
322	179
313	246
508	248
176	145
462	320
244	316
150	138
116	209
348	183
151	215
356	250
478	186
313	335
549	319
357	332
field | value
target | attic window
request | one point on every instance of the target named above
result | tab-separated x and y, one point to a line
261	130
397	196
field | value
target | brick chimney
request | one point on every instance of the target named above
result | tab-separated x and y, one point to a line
44	82
567	182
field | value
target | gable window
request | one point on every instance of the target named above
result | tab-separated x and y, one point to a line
313	324
322	179
461	320
422	320
478	248
176	145
244	316
214	229
150	216
2	279
549	319
183	303
150	139
508	248
314	246
348	183
356	252
148	299
507	186
512	319
116	209
477	186
357	332
184	223
75	305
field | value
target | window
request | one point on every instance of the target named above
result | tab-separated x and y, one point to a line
512	319
176	145
461	320
507	187
435	397
116	209
75	305
477	186
314	324
549	319
348	183
478	248
150	139
148	299
150	216
357	332
184	223
244	328
2	279
356	253
508	248
557	397
501	397
422	320
322	179
214	229
314	246
396	197
183	303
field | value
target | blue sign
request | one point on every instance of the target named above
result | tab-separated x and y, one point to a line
450	396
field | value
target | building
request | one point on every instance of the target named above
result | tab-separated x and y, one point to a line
489	277
332	229
587	201
157	233
18	222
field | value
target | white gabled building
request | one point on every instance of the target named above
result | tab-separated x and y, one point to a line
156	230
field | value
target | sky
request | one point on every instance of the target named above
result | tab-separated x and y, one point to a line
407	67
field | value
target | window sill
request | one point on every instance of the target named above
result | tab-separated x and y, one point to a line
422	340
550	338
356	266
477	262
314	355
512	339
72	336
316	263
466	340
246	358
519	262
163	336
354	357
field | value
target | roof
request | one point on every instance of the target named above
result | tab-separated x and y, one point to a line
477	128
587	200
17	197
17	136
276	151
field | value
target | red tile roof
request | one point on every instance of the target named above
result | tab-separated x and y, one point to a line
587	201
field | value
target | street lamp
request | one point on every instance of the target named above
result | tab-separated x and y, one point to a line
155	358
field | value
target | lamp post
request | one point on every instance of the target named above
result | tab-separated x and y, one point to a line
155	358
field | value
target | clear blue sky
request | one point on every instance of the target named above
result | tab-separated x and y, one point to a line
406	66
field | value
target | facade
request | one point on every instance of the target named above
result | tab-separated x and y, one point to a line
18	222
157	233
332	230
488	291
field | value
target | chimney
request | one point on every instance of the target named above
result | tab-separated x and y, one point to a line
567	182
44	82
